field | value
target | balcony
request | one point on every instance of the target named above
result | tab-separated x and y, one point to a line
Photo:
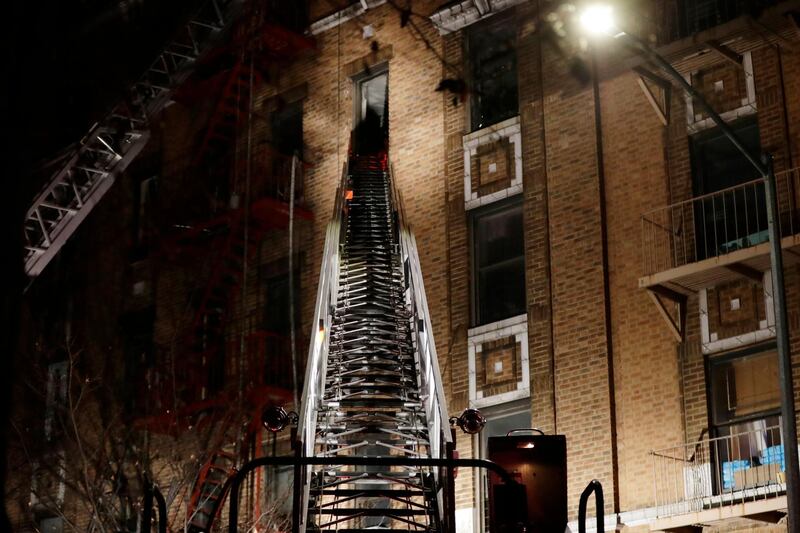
713	480
717	237
685	18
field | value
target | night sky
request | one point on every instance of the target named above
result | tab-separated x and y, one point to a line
76	59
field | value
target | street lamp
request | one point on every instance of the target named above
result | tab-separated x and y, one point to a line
597	20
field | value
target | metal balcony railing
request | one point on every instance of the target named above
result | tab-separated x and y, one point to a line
738	468
715	224
683	18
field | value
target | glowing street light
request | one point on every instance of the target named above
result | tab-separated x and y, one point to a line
597	19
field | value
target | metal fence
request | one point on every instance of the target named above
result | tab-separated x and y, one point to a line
717	223
738	468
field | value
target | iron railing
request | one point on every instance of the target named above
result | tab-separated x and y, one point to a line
715	224
683	18
727	470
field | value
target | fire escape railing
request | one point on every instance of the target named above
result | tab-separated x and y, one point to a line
715	224
113	142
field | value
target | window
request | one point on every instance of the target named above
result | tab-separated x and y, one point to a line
493	68
498	262
137	335
276	318
287	128
734	219
745	416
145	192
291	15
371	112
744	387
51	525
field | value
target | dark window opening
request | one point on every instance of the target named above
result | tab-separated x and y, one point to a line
745	417
138	350
287	128
145	192
277	341
276	317
498	262
371	133
733	219
291	15
493	68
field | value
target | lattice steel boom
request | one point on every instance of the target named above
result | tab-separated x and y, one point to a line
112	143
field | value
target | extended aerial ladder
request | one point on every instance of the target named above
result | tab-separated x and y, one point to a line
372	386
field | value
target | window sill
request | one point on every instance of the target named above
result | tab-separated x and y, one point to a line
491	133
485	331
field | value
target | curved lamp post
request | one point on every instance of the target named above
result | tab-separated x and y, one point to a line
597	20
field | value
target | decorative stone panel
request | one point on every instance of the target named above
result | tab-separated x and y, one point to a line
736	314
730	90
498	362
492	163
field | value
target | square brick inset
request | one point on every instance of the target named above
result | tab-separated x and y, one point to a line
500	362
492	167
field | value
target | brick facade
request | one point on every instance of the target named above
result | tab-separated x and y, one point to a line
603	368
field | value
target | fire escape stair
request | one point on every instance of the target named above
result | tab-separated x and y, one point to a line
209	490
210	320
231	108
79	179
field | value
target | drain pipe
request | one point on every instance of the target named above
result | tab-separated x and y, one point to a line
601	181
295	396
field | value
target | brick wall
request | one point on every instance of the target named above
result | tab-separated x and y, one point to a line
578	314
646	371
659	386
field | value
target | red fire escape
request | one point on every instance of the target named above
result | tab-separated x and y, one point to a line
208	371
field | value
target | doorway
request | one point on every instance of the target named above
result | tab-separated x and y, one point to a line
371	113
